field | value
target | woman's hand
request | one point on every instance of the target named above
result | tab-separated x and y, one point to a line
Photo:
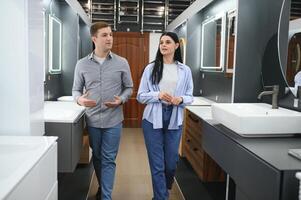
165	96
176	100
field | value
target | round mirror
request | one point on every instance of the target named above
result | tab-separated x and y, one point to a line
290	50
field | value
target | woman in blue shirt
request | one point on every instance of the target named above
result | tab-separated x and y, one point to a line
166	87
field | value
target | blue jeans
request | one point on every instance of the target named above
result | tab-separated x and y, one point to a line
162	149
105	143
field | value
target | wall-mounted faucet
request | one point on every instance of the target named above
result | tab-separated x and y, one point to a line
274	92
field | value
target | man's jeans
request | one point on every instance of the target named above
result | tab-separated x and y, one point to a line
105	143
162	149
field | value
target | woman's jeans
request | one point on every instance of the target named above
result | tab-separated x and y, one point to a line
162	149
105	143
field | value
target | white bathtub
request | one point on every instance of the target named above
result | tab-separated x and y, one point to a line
28	168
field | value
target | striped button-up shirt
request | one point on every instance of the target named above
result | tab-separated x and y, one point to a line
103	82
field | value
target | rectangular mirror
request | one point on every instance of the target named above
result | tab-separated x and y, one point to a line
230	39
213	43
55	45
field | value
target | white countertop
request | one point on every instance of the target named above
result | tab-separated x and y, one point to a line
203	112
66	98
62	112
201	101
18	155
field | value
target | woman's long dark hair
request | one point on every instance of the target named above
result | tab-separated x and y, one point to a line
158	67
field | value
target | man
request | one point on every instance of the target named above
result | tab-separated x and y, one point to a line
107	82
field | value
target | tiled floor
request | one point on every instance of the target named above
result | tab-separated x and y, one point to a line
133	179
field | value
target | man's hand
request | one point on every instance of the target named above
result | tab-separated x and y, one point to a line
176	100
84	101
116	102
165	96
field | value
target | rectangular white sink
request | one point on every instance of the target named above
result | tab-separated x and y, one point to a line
251	119
62	112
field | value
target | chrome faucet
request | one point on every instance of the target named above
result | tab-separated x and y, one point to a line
274	92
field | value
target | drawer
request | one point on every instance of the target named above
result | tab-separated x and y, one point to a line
193	121
194	124
197	139
195	161
194	148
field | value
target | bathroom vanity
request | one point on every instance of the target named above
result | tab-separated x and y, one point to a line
66	121
260	167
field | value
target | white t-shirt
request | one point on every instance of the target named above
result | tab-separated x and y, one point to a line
99	59
169	79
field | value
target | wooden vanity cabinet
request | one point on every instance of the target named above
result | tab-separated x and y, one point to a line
191	148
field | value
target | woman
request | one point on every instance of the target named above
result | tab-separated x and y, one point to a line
166	87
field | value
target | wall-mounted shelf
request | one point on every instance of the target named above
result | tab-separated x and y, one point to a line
153	15
149	15
104	10
128	11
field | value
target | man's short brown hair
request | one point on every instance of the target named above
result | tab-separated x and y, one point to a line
96	26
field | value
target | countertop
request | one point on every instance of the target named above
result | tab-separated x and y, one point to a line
201	101
273	150
18	155
62	112
203	112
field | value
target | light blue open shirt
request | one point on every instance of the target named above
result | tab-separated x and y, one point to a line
148	93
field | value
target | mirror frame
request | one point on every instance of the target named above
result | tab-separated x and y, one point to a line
44	45
182	42
58	69
219	68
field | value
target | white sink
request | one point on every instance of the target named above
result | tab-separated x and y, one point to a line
250	119
62	112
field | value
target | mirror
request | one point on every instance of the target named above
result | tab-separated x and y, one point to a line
291	64
213	43
55	45
230	40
